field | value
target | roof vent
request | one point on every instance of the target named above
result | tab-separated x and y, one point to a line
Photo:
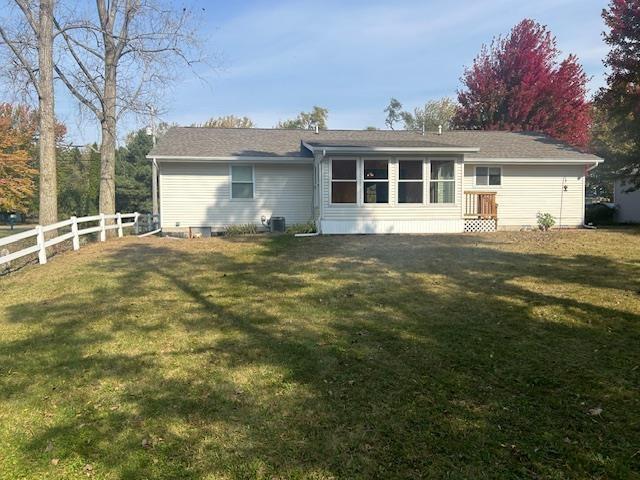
316	128
439	129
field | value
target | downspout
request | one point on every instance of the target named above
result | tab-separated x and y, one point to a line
155	194
321	158
154	186
317	197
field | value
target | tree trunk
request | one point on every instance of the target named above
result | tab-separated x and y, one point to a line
48	209
108	146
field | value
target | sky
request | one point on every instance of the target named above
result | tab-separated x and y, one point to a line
270	60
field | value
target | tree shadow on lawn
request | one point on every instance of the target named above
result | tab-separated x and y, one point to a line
336	358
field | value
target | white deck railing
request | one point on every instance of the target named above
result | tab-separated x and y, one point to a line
74	235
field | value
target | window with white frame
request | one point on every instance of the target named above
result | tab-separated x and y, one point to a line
442	184
344	181
488	176
242	181
376	181
410	182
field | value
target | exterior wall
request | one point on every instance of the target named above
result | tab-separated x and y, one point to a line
529	189
393	217
628	204
197	194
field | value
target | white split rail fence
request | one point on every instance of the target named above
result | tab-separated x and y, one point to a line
74	235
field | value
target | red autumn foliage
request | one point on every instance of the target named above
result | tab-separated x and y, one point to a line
517	84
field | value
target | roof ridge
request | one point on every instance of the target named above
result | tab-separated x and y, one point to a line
196	127
417	132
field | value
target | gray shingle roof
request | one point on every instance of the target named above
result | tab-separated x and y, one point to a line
257	142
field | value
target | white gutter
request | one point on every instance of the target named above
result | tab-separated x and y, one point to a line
239	158
328	149
536	161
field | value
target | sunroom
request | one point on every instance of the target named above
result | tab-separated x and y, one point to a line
388	189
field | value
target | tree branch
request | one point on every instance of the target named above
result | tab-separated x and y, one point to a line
22	59
92	84
76	93
24	6
129	11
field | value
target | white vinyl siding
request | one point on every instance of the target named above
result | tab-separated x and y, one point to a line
197	194
526	190
628	203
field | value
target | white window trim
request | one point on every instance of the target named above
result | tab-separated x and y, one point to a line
399	180
342	180
487	186
455	183
376	180
253	182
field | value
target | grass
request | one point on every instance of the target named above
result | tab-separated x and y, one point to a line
508	355
5	232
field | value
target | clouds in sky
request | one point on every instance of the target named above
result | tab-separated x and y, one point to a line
278	58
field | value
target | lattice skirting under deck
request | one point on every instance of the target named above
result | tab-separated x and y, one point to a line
480	225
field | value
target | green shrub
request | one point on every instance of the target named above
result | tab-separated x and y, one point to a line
242	229
309	227
546	221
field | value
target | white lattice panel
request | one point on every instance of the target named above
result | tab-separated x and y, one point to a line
480	225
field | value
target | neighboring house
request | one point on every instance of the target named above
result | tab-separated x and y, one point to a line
353	181
627	203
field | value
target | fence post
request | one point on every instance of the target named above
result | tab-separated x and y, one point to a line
119	219
42	253
136	225
74	229
103	232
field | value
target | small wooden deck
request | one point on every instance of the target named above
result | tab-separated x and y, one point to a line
480	205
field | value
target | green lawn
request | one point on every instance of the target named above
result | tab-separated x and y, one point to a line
5	232
508	355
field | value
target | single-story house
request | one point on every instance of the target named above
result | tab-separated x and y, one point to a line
367	181
627	202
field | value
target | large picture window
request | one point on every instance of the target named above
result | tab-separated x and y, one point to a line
241	181
376	181
442	185
344	181
491	176
410	183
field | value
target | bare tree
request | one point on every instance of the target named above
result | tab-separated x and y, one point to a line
117	60
32	36
393	112
228	121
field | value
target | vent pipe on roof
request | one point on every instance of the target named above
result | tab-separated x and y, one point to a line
423	128
439	129
317	129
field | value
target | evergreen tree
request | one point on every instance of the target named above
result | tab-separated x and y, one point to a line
133	174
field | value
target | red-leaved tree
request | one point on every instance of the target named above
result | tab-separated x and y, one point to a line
518	84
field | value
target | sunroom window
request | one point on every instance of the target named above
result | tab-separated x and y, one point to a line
344	181
241	181
491	176
410	183
442	184
376	181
